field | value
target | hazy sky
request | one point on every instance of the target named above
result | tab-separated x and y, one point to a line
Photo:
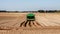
23	5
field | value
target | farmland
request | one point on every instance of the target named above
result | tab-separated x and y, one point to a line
49	23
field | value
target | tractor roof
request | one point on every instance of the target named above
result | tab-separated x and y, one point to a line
30	14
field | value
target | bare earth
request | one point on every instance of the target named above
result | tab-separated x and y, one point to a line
49	23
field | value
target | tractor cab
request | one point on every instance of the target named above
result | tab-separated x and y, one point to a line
30	17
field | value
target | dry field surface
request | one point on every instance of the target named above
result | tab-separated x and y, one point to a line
45	23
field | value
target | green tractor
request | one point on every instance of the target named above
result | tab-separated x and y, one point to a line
30	17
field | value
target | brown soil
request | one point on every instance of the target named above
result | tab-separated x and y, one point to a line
45	23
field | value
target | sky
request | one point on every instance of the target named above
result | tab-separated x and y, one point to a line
29	5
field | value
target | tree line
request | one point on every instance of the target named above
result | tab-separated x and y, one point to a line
40	11
48	11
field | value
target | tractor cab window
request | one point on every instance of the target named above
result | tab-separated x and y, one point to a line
30	17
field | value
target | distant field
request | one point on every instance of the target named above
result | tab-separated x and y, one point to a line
48	21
